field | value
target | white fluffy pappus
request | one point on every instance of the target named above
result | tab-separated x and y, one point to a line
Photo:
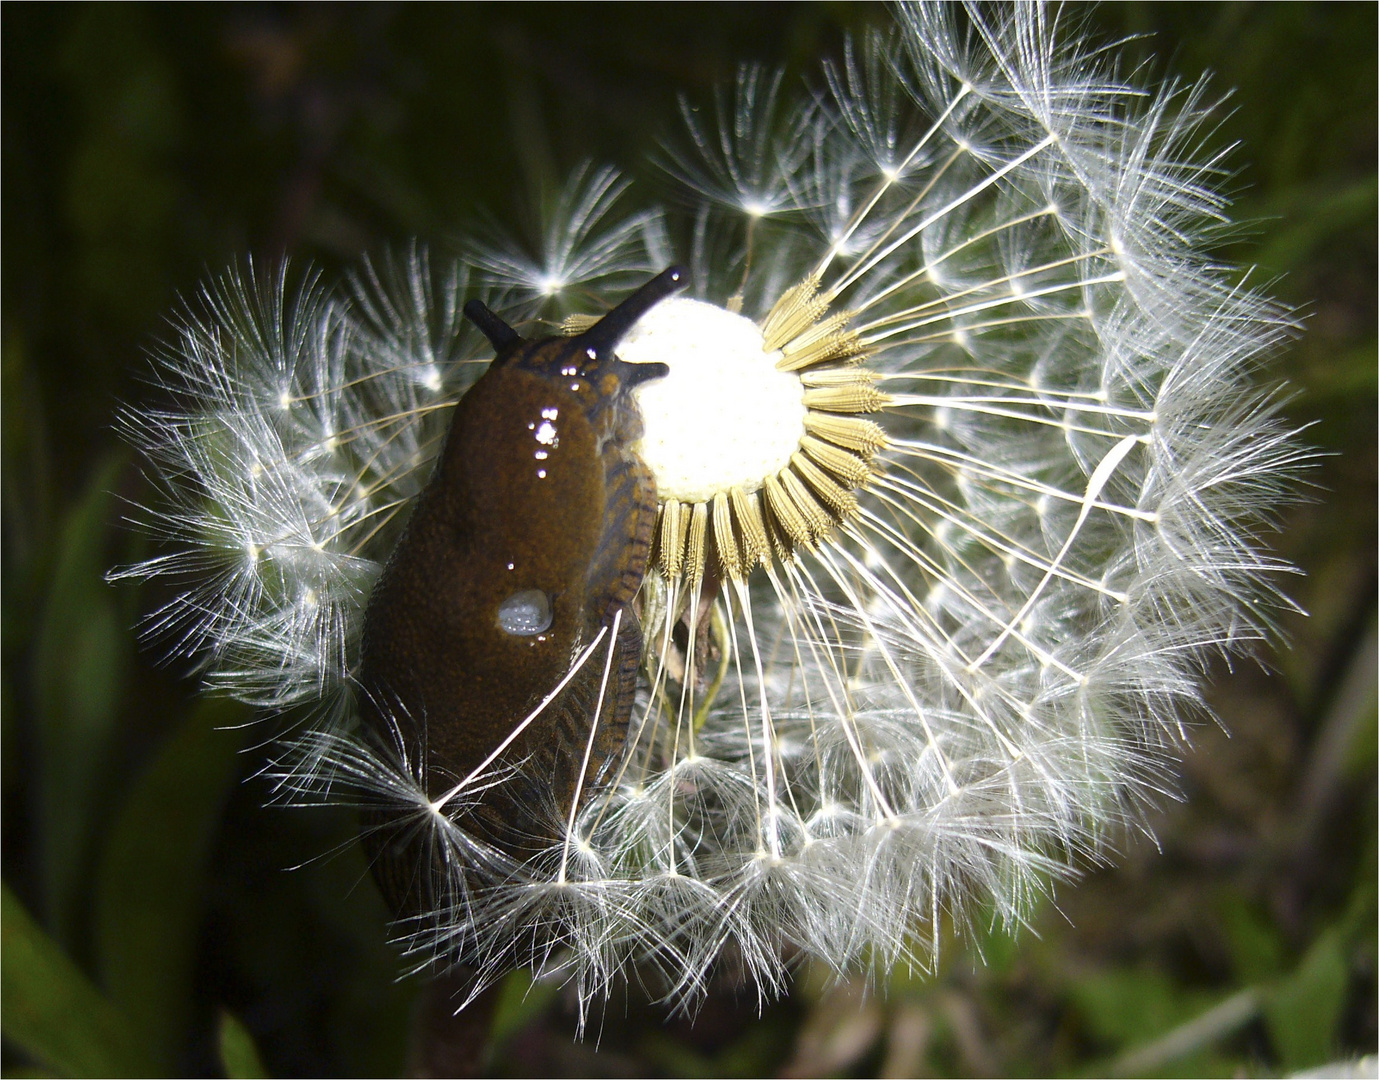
917	647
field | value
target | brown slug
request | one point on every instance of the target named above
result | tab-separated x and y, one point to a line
529	542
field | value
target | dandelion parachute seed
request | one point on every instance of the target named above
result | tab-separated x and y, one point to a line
960	471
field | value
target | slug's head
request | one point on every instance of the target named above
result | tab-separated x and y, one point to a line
586	363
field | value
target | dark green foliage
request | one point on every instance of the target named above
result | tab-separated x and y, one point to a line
54	1013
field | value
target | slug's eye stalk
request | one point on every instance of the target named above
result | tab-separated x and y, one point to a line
603	337
592	349
501	336
597	343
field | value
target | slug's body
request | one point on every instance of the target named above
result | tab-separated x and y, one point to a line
530	540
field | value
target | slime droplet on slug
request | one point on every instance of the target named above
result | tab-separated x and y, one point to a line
526	613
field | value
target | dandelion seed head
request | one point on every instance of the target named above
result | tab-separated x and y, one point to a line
962	474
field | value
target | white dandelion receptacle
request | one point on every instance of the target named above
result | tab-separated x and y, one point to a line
961	471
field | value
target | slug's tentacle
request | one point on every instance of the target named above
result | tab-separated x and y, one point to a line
486	648
500	335
604	335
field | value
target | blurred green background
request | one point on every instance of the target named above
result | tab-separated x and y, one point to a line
153	920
